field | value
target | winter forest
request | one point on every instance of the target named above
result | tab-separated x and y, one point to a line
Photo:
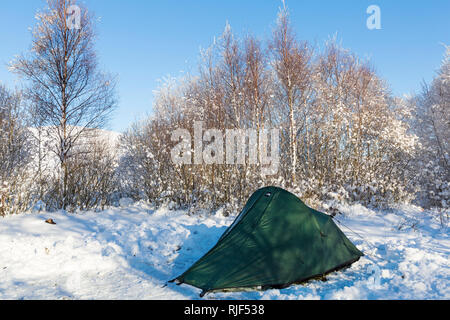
345	140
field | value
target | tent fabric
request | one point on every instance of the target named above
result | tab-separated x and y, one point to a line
275	241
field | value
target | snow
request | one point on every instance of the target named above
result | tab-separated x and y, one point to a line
132	251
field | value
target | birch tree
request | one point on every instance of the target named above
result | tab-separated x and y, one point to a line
291	64
71	94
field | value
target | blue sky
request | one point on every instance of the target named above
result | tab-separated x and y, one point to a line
143	41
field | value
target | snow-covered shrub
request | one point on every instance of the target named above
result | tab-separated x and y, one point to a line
144	165
92	176
15	178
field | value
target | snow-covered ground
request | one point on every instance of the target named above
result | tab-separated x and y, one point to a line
131	252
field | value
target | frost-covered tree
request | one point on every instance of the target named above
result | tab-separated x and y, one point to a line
433	127
14	154
343	136
357	138
293	72
70	94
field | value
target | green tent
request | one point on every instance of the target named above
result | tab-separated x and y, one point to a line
274	242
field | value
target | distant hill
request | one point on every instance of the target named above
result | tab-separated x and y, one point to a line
48	143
